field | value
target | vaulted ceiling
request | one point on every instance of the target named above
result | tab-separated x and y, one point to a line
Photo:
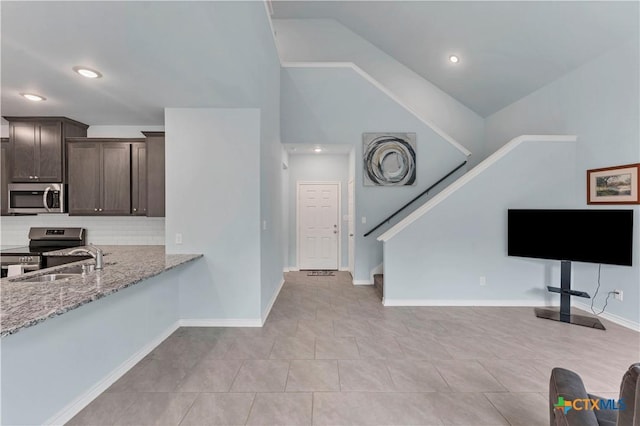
507	49
157	54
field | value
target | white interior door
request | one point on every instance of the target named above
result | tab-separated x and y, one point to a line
351	227
318	225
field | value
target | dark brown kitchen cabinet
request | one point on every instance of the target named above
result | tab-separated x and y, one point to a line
155	174
139	179
37	146
4	179
99	176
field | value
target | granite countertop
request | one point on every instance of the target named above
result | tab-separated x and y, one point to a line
24	304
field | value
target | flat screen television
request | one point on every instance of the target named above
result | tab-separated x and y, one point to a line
593	236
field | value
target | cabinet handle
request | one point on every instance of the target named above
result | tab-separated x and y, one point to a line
135	210
30	177
99	210
95	210
35	177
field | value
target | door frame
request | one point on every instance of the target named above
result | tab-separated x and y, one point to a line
351	240
298	233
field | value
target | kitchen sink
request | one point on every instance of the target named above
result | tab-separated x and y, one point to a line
64	273
79	269
46	278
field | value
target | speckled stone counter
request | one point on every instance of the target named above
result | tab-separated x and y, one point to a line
24	304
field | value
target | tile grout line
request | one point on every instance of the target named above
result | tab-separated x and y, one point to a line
253	401
199	394
496	408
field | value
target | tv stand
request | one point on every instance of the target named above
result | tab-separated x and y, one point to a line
564	315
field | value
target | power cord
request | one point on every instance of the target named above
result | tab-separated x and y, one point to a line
596	293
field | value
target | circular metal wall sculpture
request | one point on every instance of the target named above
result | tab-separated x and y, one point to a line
389	159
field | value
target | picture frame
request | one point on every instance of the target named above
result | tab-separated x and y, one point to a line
614	185
389	159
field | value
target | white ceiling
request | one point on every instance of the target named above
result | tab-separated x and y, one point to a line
153	54
507	49
157	54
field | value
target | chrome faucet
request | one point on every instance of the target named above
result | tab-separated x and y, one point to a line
97	255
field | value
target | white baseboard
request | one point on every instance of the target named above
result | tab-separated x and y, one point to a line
291	269
344	269
221	322
458	302
362	282
73	408
611	317
265	314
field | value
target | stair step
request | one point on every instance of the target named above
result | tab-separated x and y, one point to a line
378	283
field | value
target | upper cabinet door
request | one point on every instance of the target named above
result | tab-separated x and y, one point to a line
84	178
49	152
4	180
139	179
23	151
155	174
115	185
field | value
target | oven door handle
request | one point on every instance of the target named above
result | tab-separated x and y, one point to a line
44	198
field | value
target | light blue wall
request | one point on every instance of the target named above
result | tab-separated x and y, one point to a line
236	161
599	102
327	40
439	258
213	200
273	238
318	168
335	106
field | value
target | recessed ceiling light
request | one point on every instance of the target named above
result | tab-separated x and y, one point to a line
33	97
87	72
454	59
317	149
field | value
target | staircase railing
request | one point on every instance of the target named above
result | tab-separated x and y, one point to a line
414	199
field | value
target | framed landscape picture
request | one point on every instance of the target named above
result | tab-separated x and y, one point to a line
614	185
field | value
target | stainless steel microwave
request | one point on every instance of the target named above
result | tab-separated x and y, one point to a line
36	198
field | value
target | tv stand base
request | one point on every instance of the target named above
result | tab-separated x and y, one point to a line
582	320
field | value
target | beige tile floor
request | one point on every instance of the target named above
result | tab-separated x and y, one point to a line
331	354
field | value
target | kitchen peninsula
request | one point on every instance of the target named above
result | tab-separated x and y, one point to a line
24	304
66	341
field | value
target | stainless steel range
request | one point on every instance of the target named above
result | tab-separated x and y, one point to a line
41	240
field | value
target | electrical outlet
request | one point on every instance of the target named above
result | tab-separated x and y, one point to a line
617	295
178	238
483	280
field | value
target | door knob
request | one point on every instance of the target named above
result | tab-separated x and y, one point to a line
351	235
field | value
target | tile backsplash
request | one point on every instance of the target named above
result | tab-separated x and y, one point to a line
113	230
